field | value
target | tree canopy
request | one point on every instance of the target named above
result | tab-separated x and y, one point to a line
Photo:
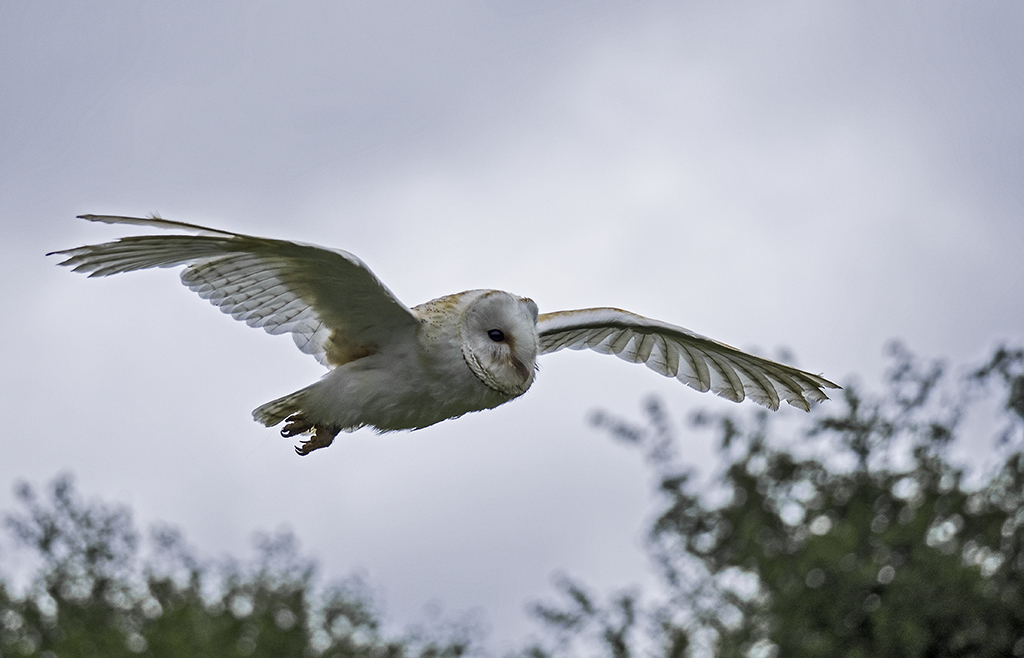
94	595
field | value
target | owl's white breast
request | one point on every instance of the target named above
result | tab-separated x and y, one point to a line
409	383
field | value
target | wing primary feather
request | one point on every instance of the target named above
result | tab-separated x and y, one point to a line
619	343
153	220
699	368
607	346
629	350
594	337
644	347
573	340
790	390
669	357
759	386
281	316
730	387
293	325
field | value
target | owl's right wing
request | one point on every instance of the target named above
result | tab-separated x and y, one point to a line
695	360
331	303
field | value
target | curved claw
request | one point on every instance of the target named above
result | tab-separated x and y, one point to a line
296	424
322	437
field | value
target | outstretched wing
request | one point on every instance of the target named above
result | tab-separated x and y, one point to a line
695	360
331	303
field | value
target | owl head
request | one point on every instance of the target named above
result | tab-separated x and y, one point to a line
499	340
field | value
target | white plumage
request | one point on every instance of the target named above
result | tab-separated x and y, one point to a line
393	367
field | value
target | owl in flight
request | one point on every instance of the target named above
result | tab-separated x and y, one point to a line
392	367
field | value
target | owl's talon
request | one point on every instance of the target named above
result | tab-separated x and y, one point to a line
322	437
296	424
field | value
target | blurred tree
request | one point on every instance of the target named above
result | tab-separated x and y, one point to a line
93	596
859	539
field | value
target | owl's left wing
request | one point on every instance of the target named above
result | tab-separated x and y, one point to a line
697	361
329	300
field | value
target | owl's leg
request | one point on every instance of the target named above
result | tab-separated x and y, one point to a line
322	437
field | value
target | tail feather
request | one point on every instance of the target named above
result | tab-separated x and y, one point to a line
278	410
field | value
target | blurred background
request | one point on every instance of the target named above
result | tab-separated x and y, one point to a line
802	177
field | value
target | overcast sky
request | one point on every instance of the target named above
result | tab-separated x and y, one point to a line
821	177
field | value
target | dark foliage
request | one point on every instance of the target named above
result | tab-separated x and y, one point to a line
93	596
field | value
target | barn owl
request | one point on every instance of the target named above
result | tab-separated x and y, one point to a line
392	367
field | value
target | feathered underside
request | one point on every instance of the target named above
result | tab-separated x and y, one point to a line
697	361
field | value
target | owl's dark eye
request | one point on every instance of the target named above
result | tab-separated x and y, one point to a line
497	335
